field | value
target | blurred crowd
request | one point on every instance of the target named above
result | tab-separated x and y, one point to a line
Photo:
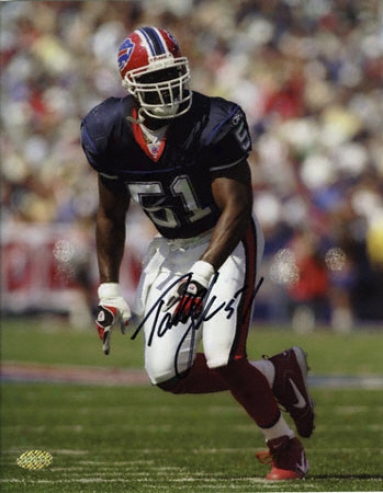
308	73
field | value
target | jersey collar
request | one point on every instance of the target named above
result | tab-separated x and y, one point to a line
153	153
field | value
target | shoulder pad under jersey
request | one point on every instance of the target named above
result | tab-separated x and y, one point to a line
100	128
226	135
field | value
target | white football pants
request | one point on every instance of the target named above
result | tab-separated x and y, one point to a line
223	326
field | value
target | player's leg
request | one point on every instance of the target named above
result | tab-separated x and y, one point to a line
287	376
198	379
170	352
225	336
225	333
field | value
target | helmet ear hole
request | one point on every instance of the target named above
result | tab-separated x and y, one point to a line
154	71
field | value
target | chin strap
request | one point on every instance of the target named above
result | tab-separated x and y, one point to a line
140	118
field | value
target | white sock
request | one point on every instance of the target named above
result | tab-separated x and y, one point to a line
266	367
281	428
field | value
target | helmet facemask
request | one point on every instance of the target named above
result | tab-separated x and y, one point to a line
162	89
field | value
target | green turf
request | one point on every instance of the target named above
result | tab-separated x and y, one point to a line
51	341
139	439
142	440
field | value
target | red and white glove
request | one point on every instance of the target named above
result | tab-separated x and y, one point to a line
186	300
112	310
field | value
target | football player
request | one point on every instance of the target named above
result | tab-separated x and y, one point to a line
182	156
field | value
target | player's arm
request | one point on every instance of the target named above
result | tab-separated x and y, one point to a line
110	229
110	244
232	193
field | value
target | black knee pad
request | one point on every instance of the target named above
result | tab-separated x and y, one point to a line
174	385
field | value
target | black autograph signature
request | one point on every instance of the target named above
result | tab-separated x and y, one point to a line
163	320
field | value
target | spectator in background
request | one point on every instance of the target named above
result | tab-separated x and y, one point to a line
309	291
307	73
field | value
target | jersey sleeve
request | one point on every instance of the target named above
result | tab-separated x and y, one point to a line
229	141
95	137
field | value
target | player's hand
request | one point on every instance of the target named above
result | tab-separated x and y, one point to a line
112	310
187	298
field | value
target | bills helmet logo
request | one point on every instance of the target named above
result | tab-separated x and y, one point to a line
124	53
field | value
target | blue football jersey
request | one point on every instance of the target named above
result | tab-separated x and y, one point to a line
173	189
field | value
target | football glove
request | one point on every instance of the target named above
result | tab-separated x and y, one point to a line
112	310
186	300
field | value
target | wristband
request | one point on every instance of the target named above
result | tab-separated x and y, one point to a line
109	290
202	272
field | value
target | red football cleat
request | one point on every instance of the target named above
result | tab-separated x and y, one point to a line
290	388
287	458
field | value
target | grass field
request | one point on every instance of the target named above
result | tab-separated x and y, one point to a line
116	439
